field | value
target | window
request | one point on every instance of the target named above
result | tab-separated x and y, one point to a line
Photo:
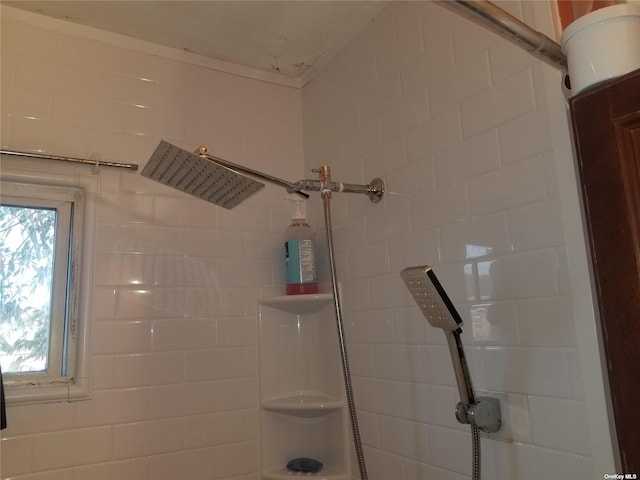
40	265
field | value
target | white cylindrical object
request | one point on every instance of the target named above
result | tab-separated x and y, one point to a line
603	44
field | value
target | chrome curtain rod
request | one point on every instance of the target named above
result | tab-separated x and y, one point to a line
509	27
95	163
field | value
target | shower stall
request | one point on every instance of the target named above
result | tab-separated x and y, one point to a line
470	136
226	184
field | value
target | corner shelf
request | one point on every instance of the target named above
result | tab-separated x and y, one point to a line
303	408
304	404
284	474
298	304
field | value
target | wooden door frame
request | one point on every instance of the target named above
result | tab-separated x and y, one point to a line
606	129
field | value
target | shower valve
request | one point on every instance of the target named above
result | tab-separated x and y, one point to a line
484	414
324	172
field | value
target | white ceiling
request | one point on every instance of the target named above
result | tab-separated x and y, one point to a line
285	37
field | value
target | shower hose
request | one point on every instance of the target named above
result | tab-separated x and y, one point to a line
355	429
326	199
475	453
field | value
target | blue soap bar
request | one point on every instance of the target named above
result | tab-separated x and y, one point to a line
303	464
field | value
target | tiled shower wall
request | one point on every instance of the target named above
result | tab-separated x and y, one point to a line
175	361
455	120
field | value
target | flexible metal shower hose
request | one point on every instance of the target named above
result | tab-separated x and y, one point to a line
475	452
326	196
475	431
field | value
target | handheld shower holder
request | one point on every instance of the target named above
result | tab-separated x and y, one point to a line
484	414
439	311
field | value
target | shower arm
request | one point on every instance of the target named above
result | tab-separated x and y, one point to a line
203	151
375	190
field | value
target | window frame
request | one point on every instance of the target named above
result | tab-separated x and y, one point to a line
76	282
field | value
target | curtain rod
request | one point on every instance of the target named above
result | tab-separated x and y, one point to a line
95	163
509	27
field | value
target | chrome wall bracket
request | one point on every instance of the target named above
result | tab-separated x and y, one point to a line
484	414
376	190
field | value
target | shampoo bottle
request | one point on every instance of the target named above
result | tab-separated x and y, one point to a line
300	253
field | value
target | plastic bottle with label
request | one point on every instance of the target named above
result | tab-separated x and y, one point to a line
300	253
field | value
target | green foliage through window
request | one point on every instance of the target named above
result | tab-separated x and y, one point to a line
44	304
27	248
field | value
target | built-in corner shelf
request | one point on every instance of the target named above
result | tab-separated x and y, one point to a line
298	304
305	404
324	474
302	409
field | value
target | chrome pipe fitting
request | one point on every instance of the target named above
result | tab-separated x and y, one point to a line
374	190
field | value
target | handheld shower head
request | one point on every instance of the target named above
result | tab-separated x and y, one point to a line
440	313
482	412
199	176
431	298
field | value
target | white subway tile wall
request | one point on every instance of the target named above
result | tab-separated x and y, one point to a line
455	121
175	330
462	139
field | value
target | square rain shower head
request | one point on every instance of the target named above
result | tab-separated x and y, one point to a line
199	176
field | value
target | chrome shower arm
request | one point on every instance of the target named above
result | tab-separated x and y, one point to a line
375	190
203	151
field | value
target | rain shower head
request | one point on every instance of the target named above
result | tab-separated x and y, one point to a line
199	176
431	298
